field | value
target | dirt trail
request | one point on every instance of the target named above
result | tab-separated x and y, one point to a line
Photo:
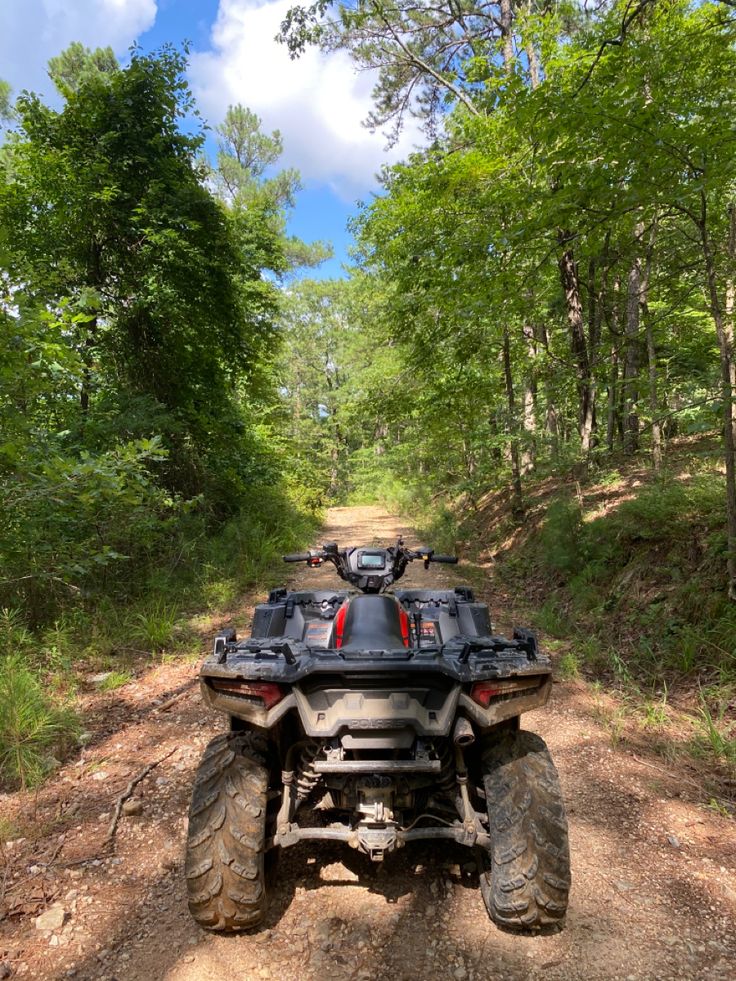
654	891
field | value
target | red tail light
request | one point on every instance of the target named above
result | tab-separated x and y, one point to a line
340	623
483	691
267	691
404	620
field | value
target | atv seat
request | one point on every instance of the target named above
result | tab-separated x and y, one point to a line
372	623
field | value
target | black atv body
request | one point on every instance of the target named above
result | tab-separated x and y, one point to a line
377	719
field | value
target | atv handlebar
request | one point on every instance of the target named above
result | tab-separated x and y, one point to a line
371	569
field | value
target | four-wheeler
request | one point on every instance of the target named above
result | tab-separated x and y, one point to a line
376	719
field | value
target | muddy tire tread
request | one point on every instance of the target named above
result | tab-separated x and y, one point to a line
529	879
224	864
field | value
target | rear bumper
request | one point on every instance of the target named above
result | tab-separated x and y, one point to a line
357	710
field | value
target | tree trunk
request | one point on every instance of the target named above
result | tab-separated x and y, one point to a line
532	58
725	332
529	403
651	354
517	497
507	19
94	275
631	362
586	392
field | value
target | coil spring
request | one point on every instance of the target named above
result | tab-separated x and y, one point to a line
307	779
446	780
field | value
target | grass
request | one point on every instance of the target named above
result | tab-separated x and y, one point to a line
154	626
715	736
115	680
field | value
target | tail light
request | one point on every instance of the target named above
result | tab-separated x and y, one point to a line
267	692
483	691
404	621
340	623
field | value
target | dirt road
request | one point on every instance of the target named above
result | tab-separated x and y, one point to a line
654	890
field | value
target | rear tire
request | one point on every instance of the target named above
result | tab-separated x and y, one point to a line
529	879
227	834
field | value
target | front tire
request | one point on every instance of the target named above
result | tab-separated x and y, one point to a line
227	834
529	880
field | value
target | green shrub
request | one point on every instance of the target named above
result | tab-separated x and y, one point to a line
32	728
561	539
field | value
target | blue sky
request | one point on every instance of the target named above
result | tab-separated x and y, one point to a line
317	102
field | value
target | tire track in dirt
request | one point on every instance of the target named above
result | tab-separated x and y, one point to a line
654	890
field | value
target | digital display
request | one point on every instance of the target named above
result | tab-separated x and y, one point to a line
372	560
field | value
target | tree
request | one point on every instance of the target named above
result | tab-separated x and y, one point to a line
76	64
5	109
245	156
104	207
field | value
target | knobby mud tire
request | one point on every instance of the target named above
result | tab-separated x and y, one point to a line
529	879
227	834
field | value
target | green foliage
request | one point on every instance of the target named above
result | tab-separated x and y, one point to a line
5	110
154	625
31	726
106	510
562	543
76	64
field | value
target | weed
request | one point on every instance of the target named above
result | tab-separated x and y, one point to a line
220	593
619	666
14	636
715	737
116	679
719	807
562	537
569	666
655	712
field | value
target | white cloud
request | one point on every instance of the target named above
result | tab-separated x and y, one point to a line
317	101
32	31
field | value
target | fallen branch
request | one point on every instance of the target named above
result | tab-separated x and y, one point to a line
165	706
128	792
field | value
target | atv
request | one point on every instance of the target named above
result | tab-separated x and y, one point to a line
376	719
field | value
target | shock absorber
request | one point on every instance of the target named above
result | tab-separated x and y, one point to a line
446	780
307	779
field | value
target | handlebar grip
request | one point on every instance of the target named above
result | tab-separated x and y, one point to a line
297	557
447	559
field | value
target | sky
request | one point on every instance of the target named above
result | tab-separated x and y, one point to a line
318	102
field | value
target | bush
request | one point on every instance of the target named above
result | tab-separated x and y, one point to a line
67	519
562	539
32	729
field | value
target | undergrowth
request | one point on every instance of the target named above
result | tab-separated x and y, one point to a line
41	667
625	575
